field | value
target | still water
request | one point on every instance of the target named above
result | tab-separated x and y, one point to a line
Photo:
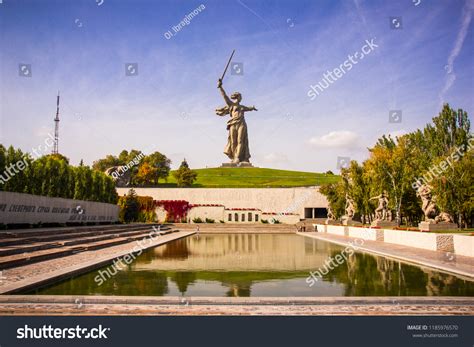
259	265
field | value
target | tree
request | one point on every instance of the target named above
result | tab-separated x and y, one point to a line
161	165
359	187
146	174
184	176
390	166
52	176
336	196
104	164
129	207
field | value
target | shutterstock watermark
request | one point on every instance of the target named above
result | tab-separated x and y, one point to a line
184	22
49	332
329	77
15	168
330	264
438	169
121	262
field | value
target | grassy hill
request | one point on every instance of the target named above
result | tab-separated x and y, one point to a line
255	178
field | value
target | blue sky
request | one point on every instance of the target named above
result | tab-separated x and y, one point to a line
81	47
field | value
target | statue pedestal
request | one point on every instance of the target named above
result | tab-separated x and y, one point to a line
331	222
245	165
229	165
236	165
432	226
349	221
383	224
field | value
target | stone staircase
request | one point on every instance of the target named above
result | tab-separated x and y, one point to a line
22	247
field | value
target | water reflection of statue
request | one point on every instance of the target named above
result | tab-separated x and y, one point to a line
237	148
381	212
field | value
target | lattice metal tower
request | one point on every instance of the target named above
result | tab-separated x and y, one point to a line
56	128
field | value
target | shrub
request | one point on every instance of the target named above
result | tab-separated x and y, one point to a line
197	220
221	221
264	221
129	207
209	220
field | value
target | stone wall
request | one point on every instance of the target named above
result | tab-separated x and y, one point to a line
457	244
268	200
203	212
464	245
19	208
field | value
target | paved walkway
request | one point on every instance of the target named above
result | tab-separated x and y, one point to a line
29	276
443	261
127	305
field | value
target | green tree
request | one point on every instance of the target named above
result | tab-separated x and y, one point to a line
129	207
104	164
335	194
146	174
184	176
161	166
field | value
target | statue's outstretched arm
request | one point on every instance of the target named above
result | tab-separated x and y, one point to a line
224	95
252	108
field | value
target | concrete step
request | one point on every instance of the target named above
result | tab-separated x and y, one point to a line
35	246
19	240
34	257
65	230
25	258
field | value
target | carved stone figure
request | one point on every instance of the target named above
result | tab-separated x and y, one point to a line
382	211
347	219
237	148
434	220
331	215
428	205
350	206
383	215
444	217
331	219
120	175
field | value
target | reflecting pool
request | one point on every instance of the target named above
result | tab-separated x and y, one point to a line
259	265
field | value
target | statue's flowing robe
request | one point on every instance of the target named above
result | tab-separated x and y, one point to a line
237	141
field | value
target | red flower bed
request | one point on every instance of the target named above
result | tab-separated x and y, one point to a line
176	210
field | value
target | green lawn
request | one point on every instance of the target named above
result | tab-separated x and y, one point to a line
255	178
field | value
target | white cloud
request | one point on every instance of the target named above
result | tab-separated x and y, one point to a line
275	158
451	77
336	139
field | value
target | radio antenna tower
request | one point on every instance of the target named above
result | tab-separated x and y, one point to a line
56	128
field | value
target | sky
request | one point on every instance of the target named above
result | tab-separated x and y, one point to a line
422	58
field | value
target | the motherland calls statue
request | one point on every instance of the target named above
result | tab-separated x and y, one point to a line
237	148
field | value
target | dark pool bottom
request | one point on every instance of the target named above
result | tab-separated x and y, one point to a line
260	265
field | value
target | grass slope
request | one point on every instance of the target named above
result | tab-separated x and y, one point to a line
255	178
